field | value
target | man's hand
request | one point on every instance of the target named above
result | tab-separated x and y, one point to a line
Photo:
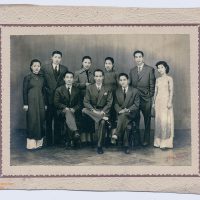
122	111
72	110
25	107
66	109
87	84
169	105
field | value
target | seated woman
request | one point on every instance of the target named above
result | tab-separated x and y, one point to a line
34	105
126	103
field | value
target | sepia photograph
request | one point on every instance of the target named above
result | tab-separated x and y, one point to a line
91	103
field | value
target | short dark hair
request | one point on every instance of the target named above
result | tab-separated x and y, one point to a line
86	57
98	70
56	52
68	72
33	61
138	51
123	74
111	59
164	64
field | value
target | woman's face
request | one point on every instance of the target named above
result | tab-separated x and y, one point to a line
161	69
35	67
108	65
86	63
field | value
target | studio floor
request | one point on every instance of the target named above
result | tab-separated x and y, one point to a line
180	155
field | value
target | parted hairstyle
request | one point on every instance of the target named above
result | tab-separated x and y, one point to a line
33	61
86	57
138	51
98	70
111	59
68	72
123	74
164	64
56	52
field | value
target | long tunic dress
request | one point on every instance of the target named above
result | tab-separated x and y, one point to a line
33	96
110	81
164	117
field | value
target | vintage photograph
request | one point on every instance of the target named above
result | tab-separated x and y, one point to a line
117	99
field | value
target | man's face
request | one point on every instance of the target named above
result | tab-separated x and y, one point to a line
98	77
123	81
87	63
139	59
69	79
56	59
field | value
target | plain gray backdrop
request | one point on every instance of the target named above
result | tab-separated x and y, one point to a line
174	49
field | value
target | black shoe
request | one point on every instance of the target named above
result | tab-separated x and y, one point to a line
100	150
68	145
127	150
145	144
77	135
108	124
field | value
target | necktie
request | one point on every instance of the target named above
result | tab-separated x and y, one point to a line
124	91
98	89
87	73
56	68
68	91
139	69
56	72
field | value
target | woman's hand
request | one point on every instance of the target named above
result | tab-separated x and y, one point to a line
45	107
25	107
169	105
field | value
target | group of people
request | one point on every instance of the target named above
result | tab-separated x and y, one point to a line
90	105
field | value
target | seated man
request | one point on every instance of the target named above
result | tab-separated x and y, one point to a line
126	104
67	103
97	102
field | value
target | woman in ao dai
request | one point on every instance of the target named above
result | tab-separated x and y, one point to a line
163	104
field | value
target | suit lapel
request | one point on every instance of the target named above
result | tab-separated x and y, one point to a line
72	93
65	92
101	93
120	95
51	72
135	74
140	75
128	96
61	72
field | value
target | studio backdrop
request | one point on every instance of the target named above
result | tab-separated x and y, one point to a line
173	48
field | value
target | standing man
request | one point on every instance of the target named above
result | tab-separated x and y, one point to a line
53	74
126	104
67	103
98	101
142	77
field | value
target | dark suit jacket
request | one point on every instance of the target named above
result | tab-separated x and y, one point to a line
144	82
51	82
101	101
80	79
131	102
62	99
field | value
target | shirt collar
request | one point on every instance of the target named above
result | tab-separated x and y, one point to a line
70	87
54	65
141	66
126	89
99	86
